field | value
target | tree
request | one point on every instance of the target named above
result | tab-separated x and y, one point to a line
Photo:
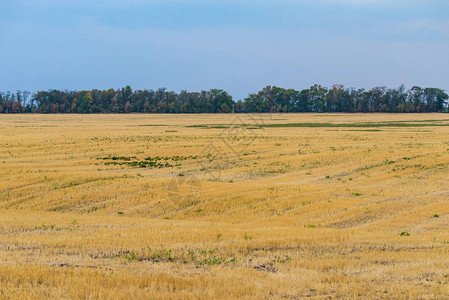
270	99
317	98
85	105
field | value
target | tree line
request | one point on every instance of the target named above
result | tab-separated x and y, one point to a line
317	98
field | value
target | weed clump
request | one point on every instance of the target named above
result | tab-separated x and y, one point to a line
405	233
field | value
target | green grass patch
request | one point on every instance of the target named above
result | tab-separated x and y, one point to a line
156	162
361	125
412	123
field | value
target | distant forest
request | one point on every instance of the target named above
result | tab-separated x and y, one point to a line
270	99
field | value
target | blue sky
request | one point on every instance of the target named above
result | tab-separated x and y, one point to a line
239	46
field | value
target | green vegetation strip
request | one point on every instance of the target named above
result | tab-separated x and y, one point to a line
425	123
363	125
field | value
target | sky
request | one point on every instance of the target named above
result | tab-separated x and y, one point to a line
238	46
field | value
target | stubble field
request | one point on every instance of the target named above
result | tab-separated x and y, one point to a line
283	206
